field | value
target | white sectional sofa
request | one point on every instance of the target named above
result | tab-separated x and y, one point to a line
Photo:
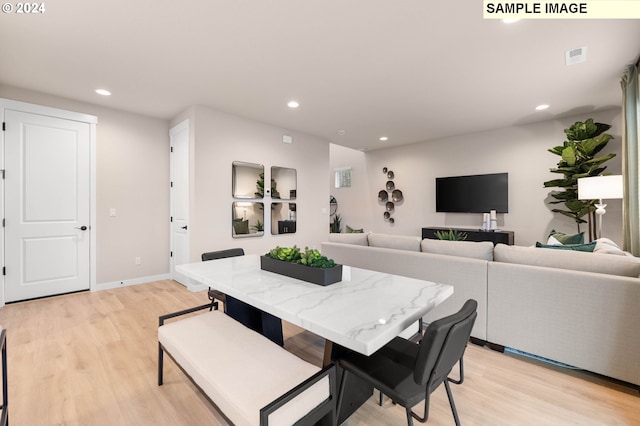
577	308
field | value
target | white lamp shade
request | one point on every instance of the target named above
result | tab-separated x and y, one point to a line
600	188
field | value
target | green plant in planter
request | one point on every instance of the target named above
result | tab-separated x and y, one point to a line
308	257
451	235
578	160
336	225
259	226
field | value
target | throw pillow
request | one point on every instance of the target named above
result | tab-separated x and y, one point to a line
567	238
576	247
351	230
241	226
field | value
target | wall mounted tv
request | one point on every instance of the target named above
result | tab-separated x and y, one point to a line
473	194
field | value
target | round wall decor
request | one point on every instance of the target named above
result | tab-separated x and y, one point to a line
390	196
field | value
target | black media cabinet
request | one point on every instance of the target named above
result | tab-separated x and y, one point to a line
504	237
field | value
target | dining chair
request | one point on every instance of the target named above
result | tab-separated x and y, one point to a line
4	417
407	372
220	254
270	326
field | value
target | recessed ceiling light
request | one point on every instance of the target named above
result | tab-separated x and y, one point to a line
342	132
293	104
384	138
103	92
542	107
510	20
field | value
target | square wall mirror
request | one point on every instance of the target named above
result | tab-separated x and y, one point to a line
247	180
283	218
283	183
247	219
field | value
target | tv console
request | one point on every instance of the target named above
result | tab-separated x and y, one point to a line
504	237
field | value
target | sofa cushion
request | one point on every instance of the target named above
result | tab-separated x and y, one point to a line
398	242
575	247
606	246
477	250
351	230
567	238
356	238
572	260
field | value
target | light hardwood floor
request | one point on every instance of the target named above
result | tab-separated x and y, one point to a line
91	359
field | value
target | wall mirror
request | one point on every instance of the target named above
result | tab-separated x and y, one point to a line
283	218
247	219
283	183
247	180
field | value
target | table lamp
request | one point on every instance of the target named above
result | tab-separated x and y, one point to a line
599	188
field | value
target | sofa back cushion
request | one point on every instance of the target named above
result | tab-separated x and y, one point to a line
477	250
358	239
398	242
566	259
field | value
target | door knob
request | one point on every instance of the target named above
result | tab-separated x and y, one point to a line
82	228
184	227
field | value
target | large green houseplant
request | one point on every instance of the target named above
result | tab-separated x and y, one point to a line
578	160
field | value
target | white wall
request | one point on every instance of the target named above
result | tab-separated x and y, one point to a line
219	139
353	202
520	151
132	177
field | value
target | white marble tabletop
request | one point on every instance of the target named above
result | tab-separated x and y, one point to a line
363	312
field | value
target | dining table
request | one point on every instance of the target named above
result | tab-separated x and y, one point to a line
362	312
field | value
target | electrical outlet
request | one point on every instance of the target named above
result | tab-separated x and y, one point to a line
112	212
138	261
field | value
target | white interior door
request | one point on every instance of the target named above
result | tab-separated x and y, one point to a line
179	187
47	205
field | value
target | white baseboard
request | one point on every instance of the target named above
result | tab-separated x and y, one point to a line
190	284
133	281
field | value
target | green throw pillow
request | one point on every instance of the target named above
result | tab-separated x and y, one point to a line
576	247
350	230
568	238
241	226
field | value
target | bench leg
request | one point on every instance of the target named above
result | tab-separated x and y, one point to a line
160	363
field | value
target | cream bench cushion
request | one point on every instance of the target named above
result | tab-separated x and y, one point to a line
240	370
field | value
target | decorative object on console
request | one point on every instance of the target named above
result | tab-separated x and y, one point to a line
486	223
578	159
599	188
493	218
389	197
336	225
308	265
451	235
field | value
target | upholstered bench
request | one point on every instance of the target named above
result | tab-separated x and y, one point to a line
251	380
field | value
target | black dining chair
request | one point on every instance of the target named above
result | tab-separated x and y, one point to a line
407	372
262	322
4	417
220	254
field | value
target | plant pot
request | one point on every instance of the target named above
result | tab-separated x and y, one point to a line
320	276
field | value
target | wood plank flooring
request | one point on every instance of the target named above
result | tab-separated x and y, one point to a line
91	359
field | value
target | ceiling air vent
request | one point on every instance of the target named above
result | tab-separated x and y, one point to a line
575	56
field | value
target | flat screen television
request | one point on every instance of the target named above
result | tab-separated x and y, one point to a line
473	194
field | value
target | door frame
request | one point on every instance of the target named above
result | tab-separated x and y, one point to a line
184	125
68	115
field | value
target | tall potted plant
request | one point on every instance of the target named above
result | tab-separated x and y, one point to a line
578	160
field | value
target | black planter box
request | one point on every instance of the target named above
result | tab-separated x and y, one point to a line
321	276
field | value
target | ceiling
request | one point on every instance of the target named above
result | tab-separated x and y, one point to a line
411	70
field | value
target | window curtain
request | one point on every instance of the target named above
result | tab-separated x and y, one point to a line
630	160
